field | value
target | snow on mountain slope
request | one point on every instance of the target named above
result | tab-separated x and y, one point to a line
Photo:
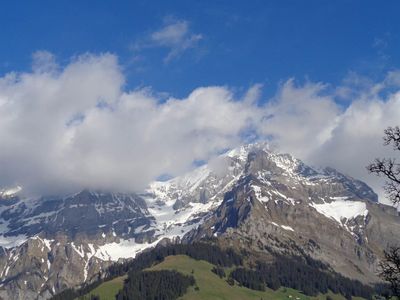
342	210
12	241
9	192
186	183
208	182
168	224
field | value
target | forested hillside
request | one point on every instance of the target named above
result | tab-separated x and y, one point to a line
310	277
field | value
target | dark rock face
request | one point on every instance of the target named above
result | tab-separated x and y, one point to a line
86	212
353	186
250	198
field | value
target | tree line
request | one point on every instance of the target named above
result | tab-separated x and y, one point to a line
155	285
299	274
199	250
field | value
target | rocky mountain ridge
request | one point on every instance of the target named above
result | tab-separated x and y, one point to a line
249	197
293	209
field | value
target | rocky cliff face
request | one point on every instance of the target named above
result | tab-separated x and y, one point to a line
53	243
249	197
281	205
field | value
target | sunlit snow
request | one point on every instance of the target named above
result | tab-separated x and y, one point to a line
341	210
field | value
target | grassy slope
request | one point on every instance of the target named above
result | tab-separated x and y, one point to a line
107	290
211	287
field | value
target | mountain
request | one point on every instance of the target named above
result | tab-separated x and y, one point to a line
281	205
250	198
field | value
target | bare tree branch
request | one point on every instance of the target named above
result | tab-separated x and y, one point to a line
388	167
392	135
390	269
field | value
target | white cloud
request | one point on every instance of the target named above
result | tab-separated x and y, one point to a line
175	36
67	128
307	122
43	62
300	119
77	128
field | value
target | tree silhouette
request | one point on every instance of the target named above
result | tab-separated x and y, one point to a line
388	167
390	267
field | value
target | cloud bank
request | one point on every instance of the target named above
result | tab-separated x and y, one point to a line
63	128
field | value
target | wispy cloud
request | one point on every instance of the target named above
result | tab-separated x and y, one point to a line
381	45
175	36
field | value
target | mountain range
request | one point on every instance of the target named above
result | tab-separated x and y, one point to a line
251	198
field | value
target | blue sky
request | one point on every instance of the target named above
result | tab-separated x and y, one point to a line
123	92
239	42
